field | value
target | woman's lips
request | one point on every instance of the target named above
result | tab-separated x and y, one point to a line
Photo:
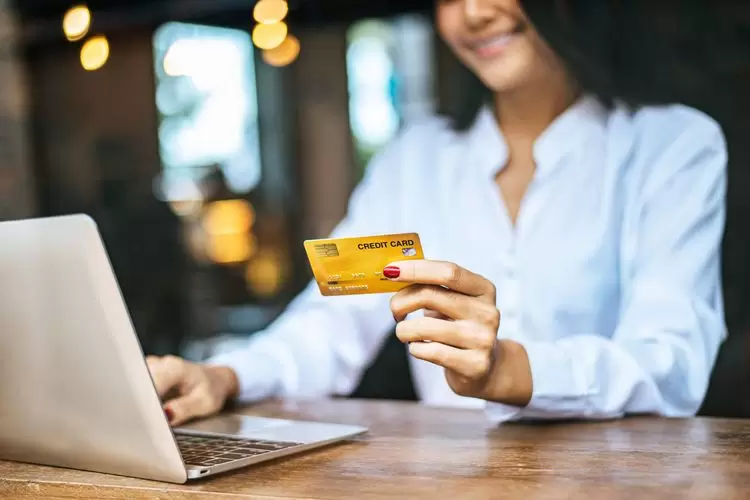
494	46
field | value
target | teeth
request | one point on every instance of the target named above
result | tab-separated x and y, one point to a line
495	42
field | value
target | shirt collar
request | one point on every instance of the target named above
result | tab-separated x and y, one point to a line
490	150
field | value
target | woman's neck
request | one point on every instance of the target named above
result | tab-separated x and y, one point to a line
527	112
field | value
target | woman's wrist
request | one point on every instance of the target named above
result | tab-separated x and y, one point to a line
510	381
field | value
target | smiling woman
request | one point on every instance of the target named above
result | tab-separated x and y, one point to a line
503	51
636	53
573	238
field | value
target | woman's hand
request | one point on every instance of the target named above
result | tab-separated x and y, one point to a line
191	390
459	330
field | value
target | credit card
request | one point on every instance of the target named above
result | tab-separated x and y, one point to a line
354	266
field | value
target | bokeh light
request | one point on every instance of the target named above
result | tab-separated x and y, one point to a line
76	22
94	53
284	54
185	208
269	36
177	60
228	226
270	11
231	248
265	274
229	217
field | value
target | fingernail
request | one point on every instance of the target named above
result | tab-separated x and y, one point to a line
169	414
391	272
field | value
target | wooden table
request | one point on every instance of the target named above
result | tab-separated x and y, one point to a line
416	452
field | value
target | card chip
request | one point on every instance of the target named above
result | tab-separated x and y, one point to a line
326	250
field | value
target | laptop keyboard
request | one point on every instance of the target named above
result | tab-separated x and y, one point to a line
207	451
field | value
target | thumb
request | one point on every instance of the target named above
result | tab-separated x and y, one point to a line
194	404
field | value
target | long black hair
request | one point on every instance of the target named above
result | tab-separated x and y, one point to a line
644	52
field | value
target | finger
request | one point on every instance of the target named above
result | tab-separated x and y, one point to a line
167	373
429	313
457	334
445	302
195	404
447	274
465	363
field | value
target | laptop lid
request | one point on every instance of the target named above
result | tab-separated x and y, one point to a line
74	387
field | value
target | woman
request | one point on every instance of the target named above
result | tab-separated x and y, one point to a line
595	230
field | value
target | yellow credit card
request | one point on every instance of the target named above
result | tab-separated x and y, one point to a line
354	266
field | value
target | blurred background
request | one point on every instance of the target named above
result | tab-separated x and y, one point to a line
208	138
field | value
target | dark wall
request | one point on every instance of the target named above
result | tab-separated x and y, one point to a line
95	138
16	181
81	116
728	394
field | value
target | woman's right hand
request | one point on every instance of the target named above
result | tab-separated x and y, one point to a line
191	390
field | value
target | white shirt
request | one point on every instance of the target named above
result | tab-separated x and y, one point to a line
610	278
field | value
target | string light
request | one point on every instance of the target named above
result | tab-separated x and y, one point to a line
284	54
269	36
76	22
94	53
270	11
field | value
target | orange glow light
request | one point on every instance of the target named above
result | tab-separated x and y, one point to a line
270	11
228	217
265	274
76	22
269	36
230	248
284	54
94	53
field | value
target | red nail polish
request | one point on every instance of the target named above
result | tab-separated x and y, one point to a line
391	272
169	414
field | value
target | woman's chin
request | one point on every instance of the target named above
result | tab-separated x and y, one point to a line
504	73
503	79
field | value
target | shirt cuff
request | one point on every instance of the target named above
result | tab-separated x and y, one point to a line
559	389
258	372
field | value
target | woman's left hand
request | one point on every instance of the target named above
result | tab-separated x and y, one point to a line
459	329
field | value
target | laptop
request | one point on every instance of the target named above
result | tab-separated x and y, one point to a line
75	390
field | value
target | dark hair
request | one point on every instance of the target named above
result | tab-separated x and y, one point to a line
640	52
646	52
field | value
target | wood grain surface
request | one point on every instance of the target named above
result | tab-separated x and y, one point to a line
416	452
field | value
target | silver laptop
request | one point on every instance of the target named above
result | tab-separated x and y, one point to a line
75	391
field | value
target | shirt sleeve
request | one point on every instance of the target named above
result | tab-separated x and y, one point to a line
319	346
660	357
